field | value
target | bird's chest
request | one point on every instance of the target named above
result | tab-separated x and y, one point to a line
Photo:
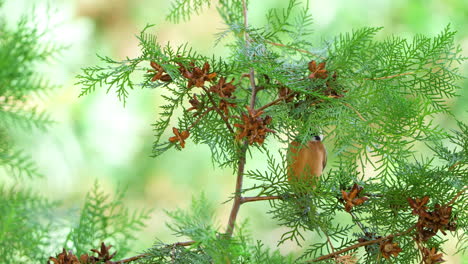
306	160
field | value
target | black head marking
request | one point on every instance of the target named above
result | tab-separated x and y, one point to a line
317	138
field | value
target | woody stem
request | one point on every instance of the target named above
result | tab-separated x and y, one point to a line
212	101
254	89
391	76
259	198
275	102
130	259
200	117
296	49
357	222
137	257
247	44
457	195
356	111
237	195
361	244
243	149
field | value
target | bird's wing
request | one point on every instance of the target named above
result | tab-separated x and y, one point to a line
324	163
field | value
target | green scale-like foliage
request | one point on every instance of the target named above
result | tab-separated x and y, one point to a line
105	219
25	232
118	74
197	223
22	50
29	223
375	105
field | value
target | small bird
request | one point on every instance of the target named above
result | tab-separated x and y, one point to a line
306	161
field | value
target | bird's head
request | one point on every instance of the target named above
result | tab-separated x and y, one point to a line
316	137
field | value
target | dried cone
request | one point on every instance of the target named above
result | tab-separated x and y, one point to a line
440	218
317	71
86	259
64	258
196	104
224	106
253	127
179	137
223	89
419	205
351	199
196	76
160	73
103	253
286	93
429	223
431	256
388	248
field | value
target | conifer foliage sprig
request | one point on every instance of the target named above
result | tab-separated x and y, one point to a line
26	230
105	218
373	99
22	50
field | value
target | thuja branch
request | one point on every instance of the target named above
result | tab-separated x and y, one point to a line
254	89
457	196
358	223
296	49
237	195
454	166
137	257
212	101
356	111
128	260
243	150
200	117
274	102
390	77
361	244
247	41
259	198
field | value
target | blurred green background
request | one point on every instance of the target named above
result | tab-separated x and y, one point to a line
97	138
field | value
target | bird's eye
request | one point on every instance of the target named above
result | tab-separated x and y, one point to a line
317	138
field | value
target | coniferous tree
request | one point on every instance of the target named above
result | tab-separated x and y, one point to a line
374	101
23	233
29	222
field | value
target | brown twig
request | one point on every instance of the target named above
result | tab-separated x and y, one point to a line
358	223
246	19
247	41
456	196
276	101
329	240
243	150
182	244
361	244
137	257
356	111
454	166
218	110
254	89
237	195
130	259
200	117
389	77
296	49
373	195
259	198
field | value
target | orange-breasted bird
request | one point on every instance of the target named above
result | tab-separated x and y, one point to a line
307	160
